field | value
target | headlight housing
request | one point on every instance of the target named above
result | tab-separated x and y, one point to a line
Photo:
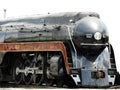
97	35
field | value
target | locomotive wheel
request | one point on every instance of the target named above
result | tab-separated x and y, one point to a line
59	82
17	76
39	76
39	79
49	82
28	77
60	79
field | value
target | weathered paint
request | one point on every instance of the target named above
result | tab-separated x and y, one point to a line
36	46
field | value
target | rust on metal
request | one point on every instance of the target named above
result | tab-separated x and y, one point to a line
36	46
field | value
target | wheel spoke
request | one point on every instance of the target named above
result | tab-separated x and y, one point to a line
39	73
28	77
17	76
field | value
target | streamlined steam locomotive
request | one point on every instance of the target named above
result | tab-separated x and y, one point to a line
69	48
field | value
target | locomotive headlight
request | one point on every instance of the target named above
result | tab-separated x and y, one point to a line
97	35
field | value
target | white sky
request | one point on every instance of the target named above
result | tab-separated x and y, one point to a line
108	10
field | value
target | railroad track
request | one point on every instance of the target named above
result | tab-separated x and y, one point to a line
12	85
115	87
6	86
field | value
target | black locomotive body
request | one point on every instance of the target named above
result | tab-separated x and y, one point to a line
70	49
